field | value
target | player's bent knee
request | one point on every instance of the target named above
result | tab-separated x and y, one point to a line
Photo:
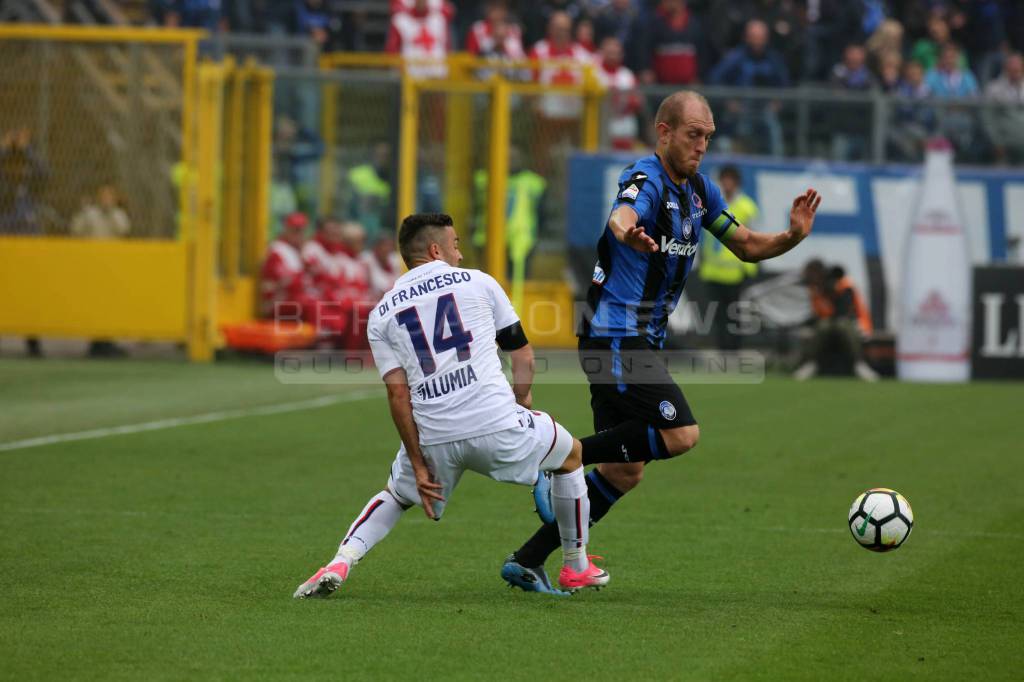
680	440
624	477
574	460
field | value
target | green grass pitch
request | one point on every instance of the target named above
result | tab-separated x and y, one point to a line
173	554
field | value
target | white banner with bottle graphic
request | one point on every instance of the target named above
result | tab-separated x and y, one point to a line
933	338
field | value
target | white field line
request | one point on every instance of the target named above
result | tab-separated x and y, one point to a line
236	516
206	418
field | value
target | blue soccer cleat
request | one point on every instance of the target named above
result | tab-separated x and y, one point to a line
544	505
528	579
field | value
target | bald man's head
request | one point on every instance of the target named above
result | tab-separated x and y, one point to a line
684	124
673	108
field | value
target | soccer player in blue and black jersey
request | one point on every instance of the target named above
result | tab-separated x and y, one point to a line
662	206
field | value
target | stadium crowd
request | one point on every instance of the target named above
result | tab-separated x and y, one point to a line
915	49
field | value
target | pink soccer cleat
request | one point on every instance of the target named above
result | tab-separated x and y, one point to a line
324	582
593	576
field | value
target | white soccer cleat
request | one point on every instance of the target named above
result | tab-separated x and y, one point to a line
323	583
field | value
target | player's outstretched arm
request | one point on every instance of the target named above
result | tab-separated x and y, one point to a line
753	246
400	402
623	224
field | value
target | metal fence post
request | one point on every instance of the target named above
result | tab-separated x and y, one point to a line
202	309
409	132
496	257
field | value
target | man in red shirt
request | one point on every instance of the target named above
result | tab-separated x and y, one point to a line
496	34
623	99
672	45
558	115
419	32
287	291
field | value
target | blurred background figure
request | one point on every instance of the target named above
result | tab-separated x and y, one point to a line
950	79
927	48
283	277
674	47
523	218
205	14
22	179
297	154
618	18
496	35
841	322
624	101
851	138
1005	119
721	272
419	32
887	40
370	191
324	260
383	265
749	125
913	120
558	115
356	292
101	216
287	291
498	38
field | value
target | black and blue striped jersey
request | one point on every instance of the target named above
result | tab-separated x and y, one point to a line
633	293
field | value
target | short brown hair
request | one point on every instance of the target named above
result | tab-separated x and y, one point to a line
414	237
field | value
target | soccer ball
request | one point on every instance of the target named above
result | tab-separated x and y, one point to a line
881	519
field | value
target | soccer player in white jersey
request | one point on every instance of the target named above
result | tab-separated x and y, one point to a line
435	339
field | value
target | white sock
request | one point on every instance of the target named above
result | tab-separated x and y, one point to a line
376	520
572	510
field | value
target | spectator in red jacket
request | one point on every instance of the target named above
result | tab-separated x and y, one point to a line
623	101
558	119
321	256
496	35
673	43
287	291
420	34
383	264
357	284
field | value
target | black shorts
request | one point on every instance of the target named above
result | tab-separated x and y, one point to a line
629	380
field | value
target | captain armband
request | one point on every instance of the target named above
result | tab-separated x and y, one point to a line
511	337
724	224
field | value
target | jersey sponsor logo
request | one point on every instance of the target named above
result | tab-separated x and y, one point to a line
671	205
667	409
598	277
435	387
698	203
631	192
674	247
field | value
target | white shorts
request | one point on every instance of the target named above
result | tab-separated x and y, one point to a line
514	455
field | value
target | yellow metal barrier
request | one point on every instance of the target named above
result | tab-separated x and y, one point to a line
56	286
153	289
497	187
545	306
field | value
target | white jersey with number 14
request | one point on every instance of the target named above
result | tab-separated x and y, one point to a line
438	323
